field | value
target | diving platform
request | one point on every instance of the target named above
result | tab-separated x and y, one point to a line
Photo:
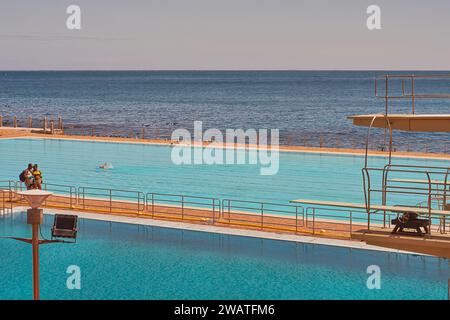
410	88
405	122
431	244
436	245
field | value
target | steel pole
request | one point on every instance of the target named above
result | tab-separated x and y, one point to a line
35	245
35	217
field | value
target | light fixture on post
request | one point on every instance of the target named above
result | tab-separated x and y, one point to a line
64	226
35	217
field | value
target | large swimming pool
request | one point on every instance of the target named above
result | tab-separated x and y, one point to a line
148	168
125	261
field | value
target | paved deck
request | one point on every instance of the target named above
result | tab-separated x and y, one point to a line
329	232
351	244
207	216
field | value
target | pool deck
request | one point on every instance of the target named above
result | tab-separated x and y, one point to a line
11	133
201	216
226	231
242	224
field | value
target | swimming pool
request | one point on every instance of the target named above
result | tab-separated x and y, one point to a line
148	168
126	261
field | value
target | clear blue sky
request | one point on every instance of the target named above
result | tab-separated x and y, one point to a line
224	34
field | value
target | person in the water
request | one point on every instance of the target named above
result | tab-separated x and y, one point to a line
106	166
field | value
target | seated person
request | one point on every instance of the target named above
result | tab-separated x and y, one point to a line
410	220
408	216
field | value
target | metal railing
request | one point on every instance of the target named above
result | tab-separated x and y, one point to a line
64	196
7	195
411	92
337	220
295	218
182	207
433	187
263	215
231	212
111	200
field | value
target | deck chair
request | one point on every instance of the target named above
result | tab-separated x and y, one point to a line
65	226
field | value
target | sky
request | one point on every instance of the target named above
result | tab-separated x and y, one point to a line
224	35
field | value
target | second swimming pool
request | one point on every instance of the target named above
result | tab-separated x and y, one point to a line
148	168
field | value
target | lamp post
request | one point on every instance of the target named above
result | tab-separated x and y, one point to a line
35	217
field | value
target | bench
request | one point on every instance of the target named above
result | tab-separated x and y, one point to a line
410	223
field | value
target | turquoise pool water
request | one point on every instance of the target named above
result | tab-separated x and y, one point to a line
124	261
148	168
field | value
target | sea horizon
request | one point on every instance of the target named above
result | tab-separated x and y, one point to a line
306	106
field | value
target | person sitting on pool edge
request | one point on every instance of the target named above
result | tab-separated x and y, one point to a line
37	177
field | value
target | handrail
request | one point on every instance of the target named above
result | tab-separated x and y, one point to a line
366	154
263	215
391	186
186	204
10	185
128	198
59	190
233	212
413	95
446	188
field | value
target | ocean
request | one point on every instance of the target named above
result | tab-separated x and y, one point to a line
308	107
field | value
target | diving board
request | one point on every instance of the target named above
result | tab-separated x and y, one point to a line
405	122
351	205
439	182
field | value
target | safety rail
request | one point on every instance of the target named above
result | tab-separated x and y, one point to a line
263	215
7	195
295	218
412	94
433	188
64	196
240	213
184	207
111	200
338	220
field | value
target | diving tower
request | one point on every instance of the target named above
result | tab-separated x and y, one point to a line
416	196
404	88
405	122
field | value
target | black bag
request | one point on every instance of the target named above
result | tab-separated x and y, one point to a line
22	176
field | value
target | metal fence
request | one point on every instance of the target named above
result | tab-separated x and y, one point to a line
263	215
64	196
278	217
7	195
296	218
184	207
111	200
